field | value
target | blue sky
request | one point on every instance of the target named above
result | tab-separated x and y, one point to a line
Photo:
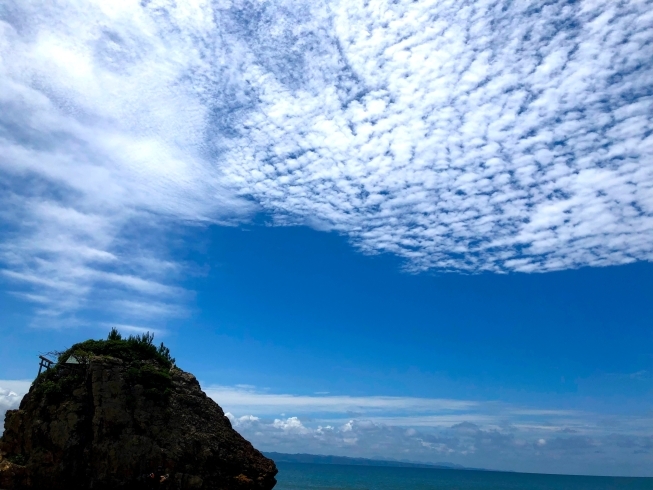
412	230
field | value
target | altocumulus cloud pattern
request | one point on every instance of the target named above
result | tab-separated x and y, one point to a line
463	136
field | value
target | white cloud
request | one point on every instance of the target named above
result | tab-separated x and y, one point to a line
488	135
17	386
11	393
244	421
239	399
291	424
9	400
134	329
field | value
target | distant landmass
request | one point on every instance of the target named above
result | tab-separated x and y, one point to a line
344	460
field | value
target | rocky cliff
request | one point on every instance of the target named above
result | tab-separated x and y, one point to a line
107	421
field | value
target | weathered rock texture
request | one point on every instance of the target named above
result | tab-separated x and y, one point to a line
106	423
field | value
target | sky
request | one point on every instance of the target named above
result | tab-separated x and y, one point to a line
408	230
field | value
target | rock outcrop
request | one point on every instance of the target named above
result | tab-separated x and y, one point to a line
107	422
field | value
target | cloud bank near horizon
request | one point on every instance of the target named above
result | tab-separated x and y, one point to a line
471	433
487	434
461	136
505	448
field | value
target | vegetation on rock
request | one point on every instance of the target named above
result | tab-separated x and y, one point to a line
133	348
149	366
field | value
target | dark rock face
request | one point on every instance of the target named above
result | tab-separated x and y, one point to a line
106	424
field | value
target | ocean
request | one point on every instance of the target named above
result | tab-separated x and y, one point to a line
302	476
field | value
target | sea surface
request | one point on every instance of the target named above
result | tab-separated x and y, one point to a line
301	476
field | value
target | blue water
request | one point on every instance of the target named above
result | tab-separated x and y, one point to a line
296	476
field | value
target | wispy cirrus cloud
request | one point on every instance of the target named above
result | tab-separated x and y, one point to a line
102	154
244	398
134	329
469	136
